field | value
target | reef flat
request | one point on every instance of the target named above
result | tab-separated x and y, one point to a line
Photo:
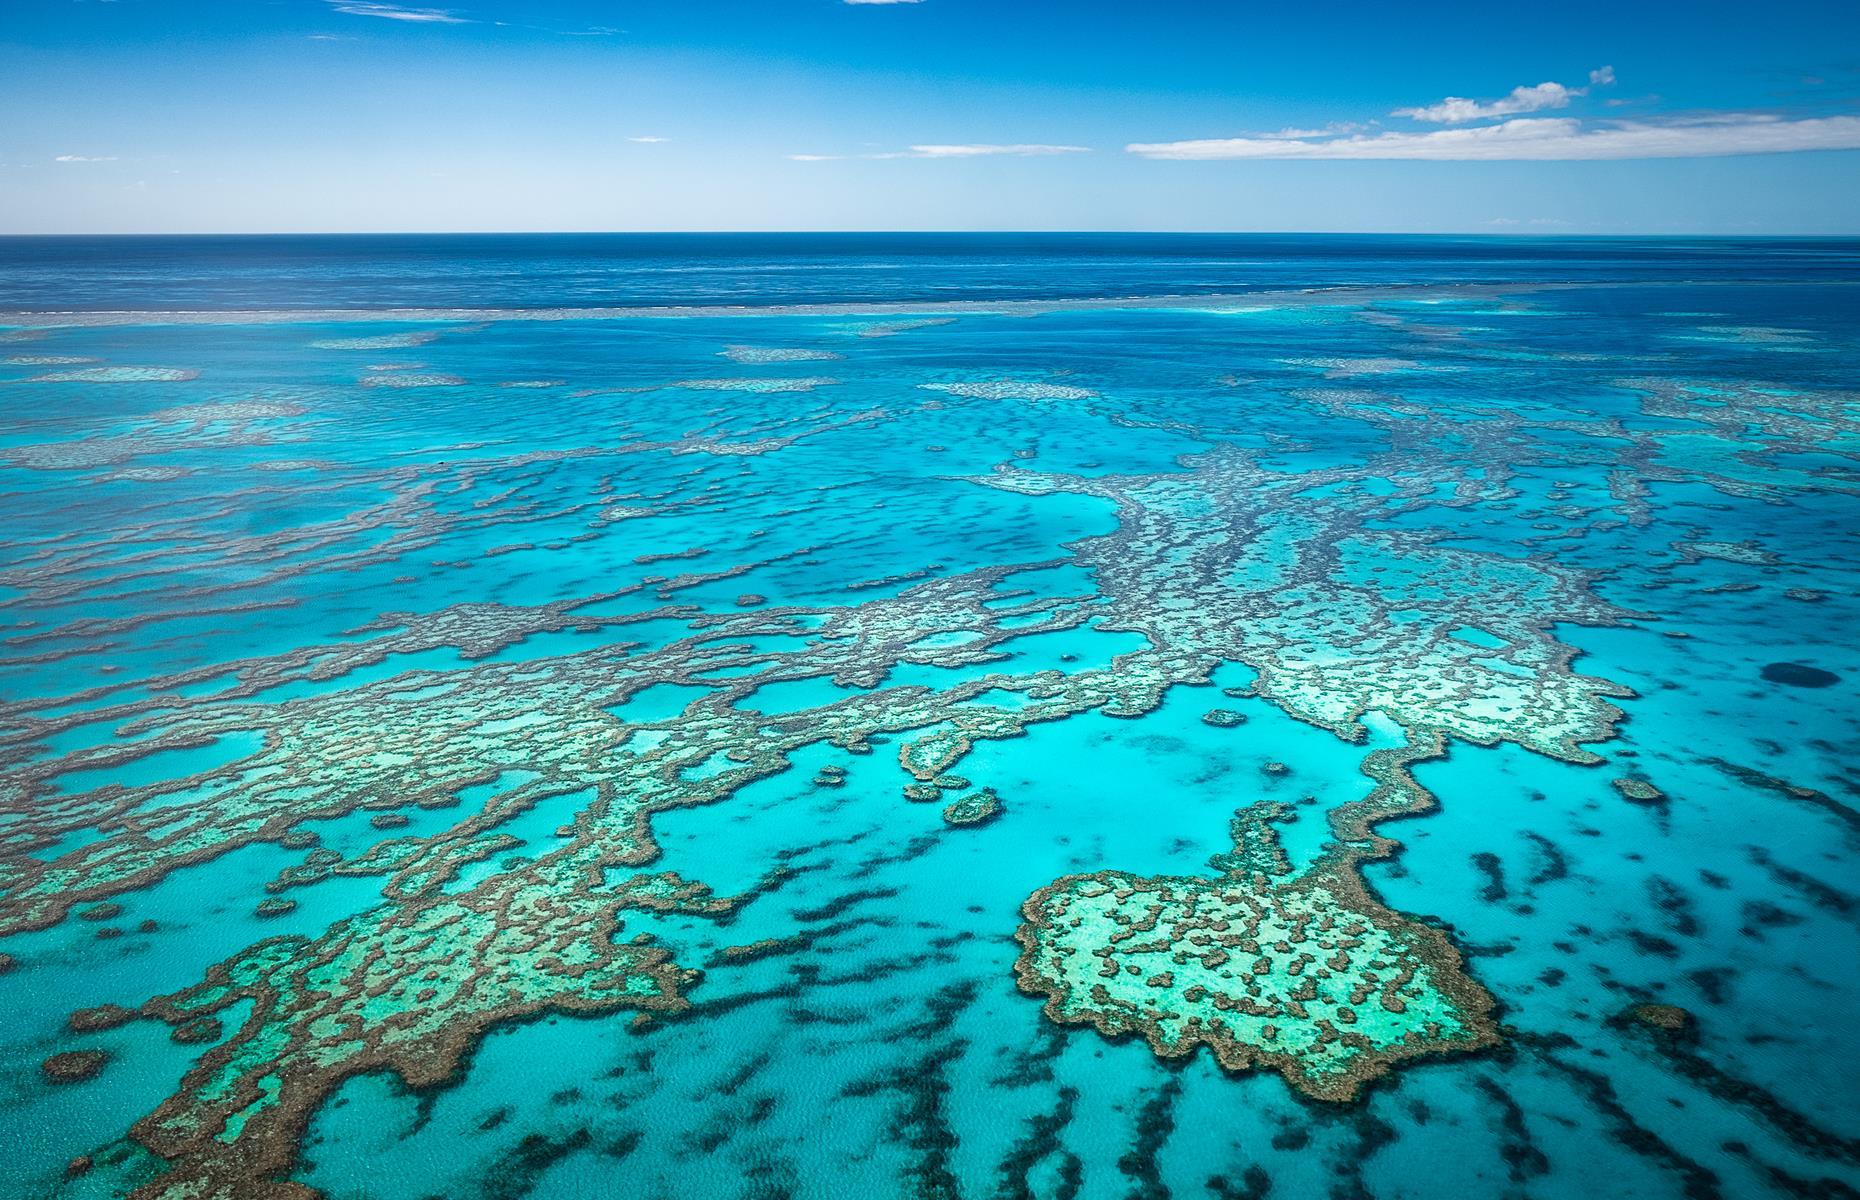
1094	748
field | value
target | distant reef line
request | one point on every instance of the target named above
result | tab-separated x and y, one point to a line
1222	301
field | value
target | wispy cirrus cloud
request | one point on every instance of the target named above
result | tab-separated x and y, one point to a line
648	139
398	12
963	150
980	150
1709	135
1289	135
85	158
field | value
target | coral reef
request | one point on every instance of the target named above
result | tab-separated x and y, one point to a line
1305	973
75	1066
480	767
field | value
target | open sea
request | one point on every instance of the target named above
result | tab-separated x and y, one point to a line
1067	716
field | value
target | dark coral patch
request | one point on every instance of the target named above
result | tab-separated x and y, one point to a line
95	1020
977	808
1668	1018
75	1066
1799	675
197	1031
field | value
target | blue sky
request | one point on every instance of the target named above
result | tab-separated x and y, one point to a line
300	115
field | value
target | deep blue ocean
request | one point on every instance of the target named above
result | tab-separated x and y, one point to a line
956	716
535	271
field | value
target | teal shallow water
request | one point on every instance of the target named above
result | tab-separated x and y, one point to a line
465	669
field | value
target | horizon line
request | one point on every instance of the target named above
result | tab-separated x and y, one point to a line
1513	233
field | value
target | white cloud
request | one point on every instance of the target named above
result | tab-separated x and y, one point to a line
1291	135
1549	94
648	140
1455	109
398	12
1546	139
976	151
972	150
85	158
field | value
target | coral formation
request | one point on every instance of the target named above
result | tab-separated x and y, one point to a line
480	768
75	1066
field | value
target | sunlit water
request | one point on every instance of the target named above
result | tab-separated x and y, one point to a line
369	686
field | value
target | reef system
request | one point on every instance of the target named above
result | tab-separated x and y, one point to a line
589	748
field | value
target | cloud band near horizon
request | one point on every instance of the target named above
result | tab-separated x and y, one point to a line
1541	139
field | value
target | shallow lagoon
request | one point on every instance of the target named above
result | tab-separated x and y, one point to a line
466	654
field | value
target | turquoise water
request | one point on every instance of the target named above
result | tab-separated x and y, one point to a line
528	752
